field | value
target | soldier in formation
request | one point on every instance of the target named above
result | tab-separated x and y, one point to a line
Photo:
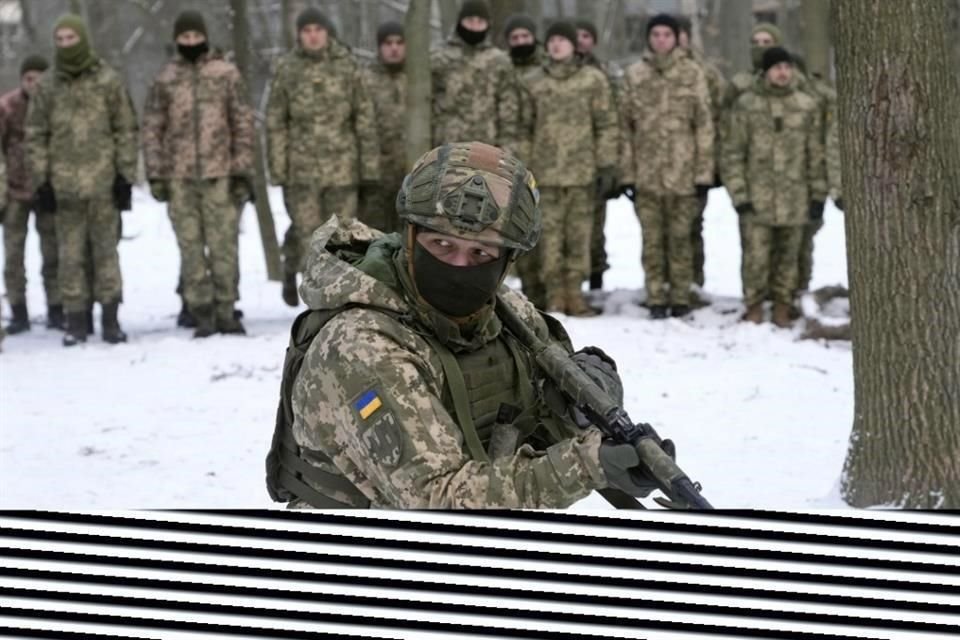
20	204
520	32
81	140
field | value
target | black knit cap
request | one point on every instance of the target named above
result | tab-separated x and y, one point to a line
388	29
663	20
34	63
312	15
684	24
474	9
589	27
189	21
562	28
520	22
775	55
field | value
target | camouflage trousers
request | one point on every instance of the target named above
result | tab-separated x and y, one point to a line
378	207
598	249
565	243
87	235
770	261
206	222
14	247
310	206
806	254
696	244
665	223
529	271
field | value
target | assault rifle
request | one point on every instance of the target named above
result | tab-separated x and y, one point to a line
597	405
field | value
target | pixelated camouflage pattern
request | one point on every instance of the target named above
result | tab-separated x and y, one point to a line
15	231
667	125
565	245
474	94
410	452
535	59
308	206
716	83
666	250
827	95
197	122
569	124
780	172
81	132
805	265
13	115
87	235
769	267
388	88
321	125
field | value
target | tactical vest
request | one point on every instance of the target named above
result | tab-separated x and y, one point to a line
490	391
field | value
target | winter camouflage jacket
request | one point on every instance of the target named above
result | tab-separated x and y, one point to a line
13	114
81	132
667	126
372	396
389	92
321	125
474	94
773	155
568	124
197	122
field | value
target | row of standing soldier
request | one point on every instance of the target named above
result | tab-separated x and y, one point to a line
664	132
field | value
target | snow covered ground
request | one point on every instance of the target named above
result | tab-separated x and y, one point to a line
760	417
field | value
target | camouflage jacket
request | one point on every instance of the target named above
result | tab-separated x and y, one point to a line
716	83
568	124
668	128
474	94
831	137
197	122
81	132
773	155
321	126
13	114
371	395
389	92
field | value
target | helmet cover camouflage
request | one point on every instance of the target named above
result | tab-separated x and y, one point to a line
474	191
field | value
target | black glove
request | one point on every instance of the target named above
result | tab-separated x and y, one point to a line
241	190
838	203
45	200
619	463
630	191
702	191
160	190
816	210
745	209
606	182
122	194
601	369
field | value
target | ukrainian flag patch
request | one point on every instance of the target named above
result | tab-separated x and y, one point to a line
367	404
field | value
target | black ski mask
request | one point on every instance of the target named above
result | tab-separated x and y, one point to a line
456	291
522	52
192	52
472	38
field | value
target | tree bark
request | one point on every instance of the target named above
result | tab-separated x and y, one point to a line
900	135
419	89
449	9
816	36
735	20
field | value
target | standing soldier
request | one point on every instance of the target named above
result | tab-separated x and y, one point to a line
774	169
717	85
13	114
570	128
321	137
81	139
763	36
586	44
474	87
668	155
521	36
198	151
387	82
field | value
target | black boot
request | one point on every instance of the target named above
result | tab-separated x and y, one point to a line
205	322
76	328
658	312
112	333
185	319
89	318
227	322
55	318
20	321
679	310
596	281
290	290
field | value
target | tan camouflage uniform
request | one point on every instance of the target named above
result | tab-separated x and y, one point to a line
773	158
13	114
81	133
197	134
322	140
668	150
568	131
388	88
409	451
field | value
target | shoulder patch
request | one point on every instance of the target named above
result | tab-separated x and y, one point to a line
367	403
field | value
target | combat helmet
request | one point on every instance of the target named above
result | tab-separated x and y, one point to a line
470	189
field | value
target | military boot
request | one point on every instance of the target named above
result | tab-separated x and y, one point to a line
754	314
577	306
204	320
55	318
185	319
227	322
658	312
20	321
596	281
290	290
112	333
89	319
76	328
781	315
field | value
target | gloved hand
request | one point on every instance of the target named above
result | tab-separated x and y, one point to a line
838	203
606	182
816	210
745	209
160	190
241	190
122	194
619	463
601	369
630	191
702	191
45	200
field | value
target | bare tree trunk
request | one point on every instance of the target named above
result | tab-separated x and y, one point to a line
287	27
735	21
419	89
26	21
816	36
449	10
900	132
268	232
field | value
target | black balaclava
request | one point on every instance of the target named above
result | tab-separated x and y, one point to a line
522	52
457	292
191	21
477	9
